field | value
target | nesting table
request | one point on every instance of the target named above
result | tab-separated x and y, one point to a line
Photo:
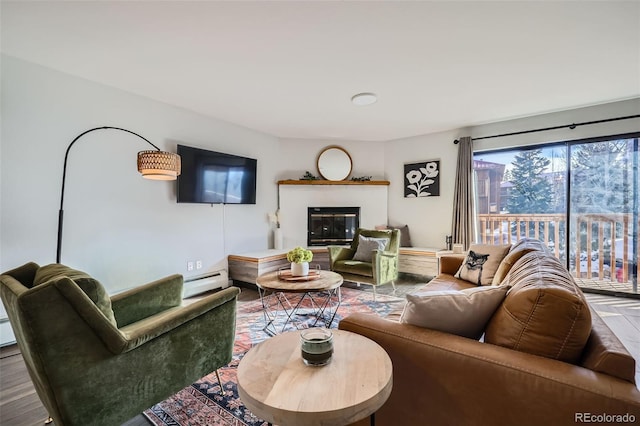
276	385
317	295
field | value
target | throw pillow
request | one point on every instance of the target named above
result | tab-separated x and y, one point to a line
405	237
91	287
462	312
482	262
366	246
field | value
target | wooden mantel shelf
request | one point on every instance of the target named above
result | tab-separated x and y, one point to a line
332	182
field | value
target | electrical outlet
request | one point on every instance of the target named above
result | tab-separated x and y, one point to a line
189	266
198	264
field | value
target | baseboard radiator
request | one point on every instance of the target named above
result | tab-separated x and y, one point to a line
203	283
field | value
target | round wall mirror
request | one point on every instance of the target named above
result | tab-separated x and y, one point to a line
334	163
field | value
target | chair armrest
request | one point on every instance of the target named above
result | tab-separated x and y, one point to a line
138	333
389	254
385	266
25	274
339	253
147	300
132	336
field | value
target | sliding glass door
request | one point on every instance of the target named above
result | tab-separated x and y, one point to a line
603	214
579	198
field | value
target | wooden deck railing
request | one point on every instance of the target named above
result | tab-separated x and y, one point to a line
600	244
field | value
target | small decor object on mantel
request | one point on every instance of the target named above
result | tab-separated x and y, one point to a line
361	179
299	258
422	179
309	176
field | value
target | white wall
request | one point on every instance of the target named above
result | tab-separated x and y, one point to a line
121	228
560	118
367	159
302	154
126	230
428	218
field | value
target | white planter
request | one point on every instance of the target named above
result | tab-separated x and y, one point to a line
300	269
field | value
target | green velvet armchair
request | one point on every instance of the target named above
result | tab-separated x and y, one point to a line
379	267
100	360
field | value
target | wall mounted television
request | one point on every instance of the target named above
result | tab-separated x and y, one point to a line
216	178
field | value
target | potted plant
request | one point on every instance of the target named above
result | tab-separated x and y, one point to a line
299	258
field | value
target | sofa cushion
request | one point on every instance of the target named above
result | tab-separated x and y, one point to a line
482	262
447	282
518	250
366	246
464	312
90	286
544	313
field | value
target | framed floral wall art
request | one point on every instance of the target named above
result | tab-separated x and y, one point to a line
422	179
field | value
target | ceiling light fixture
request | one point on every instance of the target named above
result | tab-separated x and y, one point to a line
362	99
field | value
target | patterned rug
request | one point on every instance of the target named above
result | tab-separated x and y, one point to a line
205	403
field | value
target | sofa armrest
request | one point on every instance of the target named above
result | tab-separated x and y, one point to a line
147	300
450	263
449	379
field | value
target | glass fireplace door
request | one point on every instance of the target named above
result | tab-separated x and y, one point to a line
332	225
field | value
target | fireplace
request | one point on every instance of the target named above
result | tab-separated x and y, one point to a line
332	225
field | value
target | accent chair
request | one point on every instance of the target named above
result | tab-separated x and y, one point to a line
100	360
371	259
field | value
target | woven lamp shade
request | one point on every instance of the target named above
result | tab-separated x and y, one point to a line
159	165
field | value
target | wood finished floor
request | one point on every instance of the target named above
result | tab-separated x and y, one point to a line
20	406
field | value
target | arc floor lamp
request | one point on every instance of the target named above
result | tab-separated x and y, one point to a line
152	164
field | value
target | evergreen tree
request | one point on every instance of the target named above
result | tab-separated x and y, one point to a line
601	178
531	191
601	183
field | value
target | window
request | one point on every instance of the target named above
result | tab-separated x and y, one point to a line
580	198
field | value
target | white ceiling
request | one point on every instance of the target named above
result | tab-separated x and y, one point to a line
290	68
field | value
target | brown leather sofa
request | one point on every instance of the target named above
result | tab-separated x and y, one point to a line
537	371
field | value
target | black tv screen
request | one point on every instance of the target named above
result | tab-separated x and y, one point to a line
216	178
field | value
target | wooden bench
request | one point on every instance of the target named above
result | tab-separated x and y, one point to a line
420	261
246	267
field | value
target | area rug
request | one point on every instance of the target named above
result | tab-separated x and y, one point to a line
205	403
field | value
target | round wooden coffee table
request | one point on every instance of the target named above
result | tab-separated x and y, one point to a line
281	294
276	385
326	280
